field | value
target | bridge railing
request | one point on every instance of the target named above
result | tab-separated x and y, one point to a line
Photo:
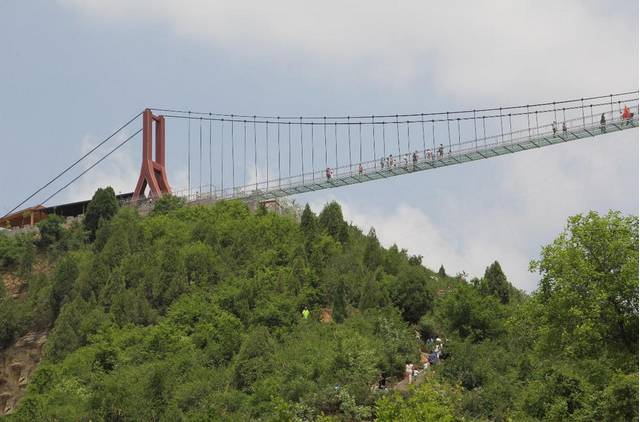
588	121
352	146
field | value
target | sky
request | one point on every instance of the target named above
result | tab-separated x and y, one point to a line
74	70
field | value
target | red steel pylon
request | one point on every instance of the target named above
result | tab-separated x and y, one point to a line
152	172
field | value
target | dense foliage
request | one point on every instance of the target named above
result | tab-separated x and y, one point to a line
194	313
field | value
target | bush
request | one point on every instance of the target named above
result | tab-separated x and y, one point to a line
51	230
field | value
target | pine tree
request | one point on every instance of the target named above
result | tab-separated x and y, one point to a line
339	304
308	222
102	206
330	219
495	283
372	253
441	271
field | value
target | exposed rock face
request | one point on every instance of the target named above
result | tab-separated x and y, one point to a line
14	285
17	363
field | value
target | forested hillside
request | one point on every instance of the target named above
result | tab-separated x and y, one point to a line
196	313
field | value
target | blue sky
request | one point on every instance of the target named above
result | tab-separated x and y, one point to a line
74	70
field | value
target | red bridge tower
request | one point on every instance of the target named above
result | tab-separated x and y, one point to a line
152	172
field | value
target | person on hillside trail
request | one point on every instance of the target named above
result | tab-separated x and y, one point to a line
382	382
409	372
305	313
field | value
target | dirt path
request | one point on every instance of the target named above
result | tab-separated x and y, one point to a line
404	384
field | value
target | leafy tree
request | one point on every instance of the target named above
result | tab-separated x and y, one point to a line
102	206
465	312
252	362
330	219
372	251
495	283
201	263
429	402
51	230
9	252
308	222
589	285
620	398
373	295
166	204
338	302
412	296
64	278
415	260
8	322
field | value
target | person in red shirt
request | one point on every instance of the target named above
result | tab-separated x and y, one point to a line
627	115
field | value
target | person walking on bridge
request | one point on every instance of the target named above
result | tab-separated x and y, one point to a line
627	115
603	123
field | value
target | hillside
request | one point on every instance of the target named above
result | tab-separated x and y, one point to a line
196	313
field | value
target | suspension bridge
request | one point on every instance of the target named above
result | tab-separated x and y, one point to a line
257	157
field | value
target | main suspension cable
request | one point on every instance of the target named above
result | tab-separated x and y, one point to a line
93	165
63	172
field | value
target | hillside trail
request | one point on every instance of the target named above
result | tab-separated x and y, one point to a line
403	385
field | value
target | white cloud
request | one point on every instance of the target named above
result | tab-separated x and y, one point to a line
120	170
473	51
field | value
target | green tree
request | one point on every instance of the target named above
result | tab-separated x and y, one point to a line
495	283
589	286
466	313
63	280
442	272
428	402
372	294
308	222
51	230
200	263
8	322
102	206
411	295
372	251
330	219
166	204
338	302
252	362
